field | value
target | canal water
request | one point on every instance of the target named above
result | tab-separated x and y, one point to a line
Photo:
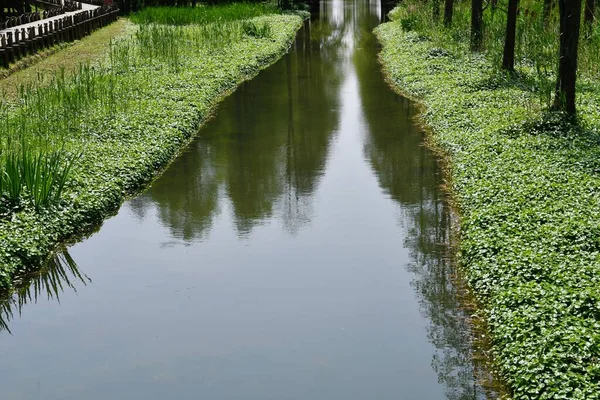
296	250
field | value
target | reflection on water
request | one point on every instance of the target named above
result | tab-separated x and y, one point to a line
59	274
410	175
267	159
297	249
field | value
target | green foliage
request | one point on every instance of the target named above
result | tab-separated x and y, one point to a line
408	22
537	42
33	167
203	15
108	131
171	44
527	184
37	174
257	30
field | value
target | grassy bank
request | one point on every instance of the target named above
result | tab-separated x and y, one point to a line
527	185
92	49
116	126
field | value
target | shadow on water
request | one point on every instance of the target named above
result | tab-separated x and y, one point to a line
59	274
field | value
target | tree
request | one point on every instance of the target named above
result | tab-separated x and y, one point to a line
570	17
508	59
448	9
476	25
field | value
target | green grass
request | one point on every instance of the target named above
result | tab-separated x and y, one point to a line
91	49
527	186
203	15
74	145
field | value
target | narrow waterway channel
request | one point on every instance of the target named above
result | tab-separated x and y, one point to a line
296	250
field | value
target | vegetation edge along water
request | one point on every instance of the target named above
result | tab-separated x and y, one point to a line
527	186
158	94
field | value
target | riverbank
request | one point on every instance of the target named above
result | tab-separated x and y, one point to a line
130	119
527	186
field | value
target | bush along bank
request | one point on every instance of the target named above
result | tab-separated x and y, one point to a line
115	127
527	186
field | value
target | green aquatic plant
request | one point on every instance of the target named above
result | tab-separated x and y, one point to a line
35	173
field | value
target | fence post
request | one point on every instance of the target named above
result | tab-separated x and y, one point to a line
3	52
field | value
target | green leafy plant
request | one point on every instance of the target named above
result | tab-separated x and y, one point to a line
526	183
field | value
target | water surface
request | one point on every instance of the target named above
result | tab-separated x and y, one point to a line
296	250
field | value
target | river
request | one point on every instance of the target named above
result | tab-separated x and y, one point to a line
297	249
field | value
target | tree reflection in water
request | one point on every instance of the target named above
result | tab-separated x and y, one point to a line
266	150
409	174
59	274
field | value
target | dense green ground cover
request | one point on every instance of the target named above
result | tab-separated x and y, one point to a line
536	42
118	125
527	185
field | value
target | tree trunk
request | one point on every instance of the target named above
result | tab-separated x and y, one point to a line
476	25
448	9
590	8
570	16
508	59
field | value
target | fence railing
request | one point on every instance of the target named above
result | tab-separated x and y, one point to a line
94	2
68	6
19	42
